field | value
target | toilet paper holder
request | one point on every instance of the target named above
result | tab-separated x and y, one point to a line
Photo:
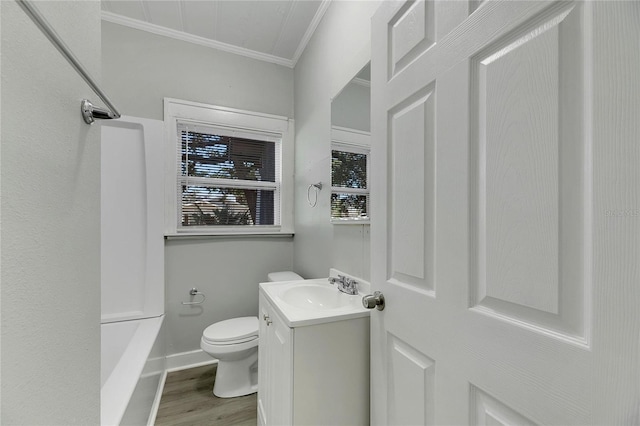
194	292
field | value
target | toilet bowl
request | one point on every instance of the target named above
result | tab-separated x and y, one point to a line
234	343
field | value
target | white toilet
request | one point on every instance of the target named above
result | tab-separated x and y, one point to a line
234	342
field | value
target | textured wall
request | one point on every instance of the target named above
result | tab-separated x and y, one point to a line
50	220
340	47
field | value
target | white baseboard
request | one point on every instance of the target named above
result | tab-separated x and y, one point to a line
177	362
156	400
191	359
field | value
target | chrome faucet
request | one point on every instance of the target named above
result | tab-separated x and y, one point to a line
345	284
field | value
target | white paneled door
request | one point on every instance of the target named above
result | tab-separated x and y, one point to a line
506	173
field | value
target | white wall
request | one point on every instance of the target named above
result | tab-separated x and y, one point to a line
340	47
141	69
227	271
51	220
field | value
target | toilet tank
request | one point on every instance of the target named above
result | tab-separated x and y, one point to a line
284	276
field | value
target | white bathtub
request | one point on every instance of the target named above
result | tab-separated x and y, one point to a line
132	367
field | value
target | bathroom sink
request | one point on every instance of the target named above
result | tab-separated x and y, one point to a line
314	301
314	296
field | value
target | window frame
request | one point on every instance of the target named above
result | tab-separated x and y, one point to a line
359	142
181	111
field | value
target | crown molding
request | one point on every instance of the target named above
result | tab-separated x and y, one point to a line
361	82
311	29
202	41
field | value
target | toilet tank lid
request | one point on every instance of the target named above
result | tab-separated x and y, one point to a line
284	276
232	329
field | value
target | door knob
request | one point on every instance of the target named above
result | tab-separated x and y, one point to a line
375	300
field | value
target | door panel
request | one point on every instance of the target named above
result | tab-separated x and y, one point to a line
411	32
411	153
510	292
411	385
528	159
518	183
489	411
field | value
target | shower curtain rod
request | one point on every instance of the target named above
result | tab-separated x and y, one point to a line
89	112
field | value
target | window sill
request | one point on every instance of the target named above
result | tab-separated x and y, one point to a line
217	235
350	221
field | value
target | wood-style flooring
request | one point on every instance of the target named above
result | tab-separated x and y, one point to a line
188	400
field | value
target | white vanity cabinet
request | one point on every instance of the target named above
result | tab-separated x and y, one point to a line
315	374
274	367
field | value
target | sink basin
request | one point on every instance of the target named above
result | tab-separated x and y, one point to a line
315	301
313	296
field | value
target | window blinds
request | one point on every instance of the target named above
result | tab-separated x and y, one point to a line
227	176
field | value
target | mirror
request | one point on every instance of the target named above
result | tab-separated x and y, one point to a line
350	175
350	146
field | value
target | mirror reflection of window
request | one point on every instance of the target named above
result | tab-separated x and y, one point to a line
349	177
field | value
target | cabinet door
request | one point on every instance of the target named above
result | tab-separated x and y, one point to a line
280	371
275	367
263	363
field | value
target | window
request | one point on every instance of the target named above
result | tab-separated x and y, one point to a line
227	177
349	176
225	170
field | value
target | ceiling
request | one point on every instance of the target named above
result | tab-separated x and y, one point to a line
276	31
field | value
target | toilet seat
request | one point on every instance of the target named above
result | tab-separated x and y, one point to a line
231	342
232	331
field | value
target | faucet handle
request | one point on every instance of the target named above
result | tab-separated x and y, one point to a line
350	285
345	284
355	285
341	279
